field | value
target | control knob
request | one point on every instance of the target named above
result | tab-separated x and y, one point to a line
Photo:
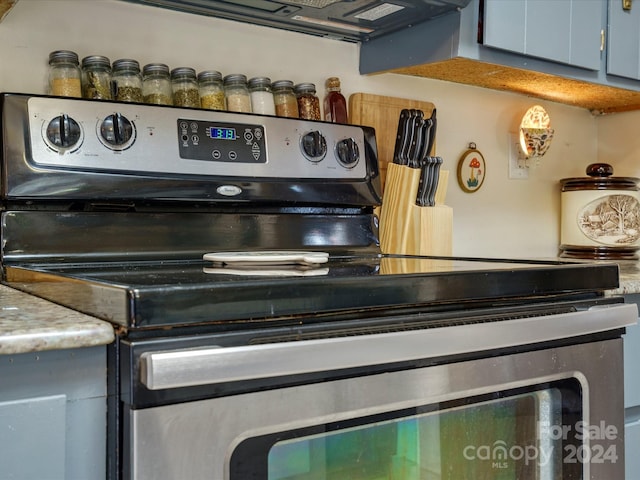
63	132
117	131
314	146
347	152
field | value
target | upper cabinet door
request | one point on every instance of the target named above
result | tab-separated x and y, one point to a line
623	45
564	31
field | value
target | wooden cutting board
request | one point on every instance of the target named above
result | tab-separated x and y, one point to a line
382	113
404	227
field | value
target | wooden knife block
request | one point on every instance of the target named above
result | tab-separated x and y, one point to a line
406	228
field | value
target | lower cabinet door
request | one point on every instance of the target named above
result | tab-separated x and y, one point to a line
631	449
32	443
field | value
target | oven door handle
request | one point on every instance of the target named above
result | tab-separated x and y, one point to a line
213	365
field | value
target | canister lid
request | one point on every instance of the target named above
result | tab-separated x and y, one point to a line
63	56
183	73
155	69
305	88
96	61
235	79
600	178
282	84
259	82
210	76
126	65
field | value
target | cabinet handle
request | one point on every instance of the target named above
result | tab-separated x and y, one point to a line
602	40
626	5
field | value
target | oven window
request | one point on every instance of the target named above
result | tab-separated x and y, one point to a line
506	435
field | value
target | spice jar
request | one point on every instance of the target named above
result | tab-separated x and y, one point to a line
127	80
185	87
308	102
261	96
211	90
96	77
236	93
285	99
156	84
64	74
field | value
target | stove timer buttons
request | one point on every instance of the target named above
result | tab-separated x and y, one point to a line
117	132
63	134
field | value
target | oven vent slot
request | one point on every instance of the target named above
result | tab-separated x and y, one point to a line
406	323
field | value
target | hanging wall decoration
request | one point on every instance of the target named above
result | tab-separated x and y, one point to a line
471	169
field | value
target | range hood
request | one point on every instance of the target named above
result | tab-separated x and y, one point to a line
349	20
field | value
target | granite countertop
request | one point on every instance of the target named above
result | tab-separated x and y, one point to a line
629	278
31	324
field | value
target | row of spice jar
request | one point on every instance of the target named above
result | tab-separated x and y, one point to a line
123	80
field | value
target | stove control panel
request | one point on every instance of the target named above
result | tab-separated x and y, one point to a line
221	142
84	135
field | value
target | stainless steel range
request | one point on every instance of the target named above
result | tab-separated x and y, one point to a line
297	350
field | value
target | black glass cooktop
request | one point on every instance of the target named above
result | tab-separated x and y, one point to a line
141	295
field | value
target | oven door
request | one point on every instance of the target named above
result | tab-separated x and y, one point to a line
551	410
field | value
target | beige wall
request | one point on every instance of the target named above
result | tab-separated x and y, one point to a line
619	143
505	218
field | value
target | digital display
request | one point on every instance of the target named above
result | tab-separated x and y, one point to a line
218	133
221	141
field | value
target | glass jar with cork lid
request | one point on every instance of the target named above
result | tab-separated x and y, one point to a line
335	105
64	74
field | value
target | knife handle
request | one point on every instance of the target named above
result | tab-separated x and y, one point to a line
435	176
407	137
432	132
422	197
402	120
416	143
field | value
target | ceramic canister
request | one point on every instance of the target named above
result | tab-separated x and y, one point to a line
600	215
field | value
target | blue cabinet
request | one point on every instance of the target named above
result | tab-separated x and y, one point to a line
581	52
53	415
564	31
623	44
632	447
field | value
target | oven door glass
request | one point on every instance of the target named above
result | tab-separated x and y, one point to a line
504	435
